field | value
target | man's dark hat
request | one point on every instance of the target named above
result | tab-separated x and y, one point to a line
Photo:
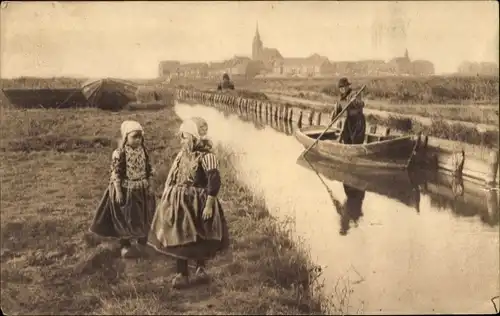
225	76
343	82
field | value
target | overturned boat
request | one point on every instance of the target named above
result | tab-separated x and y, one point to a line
109	93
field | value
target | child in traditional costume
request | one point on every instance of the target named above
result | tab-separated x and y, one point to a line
189	222
128	204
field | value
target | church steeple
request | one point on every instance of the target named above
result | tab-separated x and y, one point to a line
257	45
406	54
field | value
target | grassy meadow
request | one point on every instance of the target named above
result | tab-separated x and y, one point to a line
55	168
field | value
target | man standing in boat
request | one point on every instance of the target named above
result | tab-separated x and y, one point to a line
354	127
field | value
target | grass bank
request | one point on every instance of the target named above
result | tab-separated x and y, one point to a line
54	170
403	90
463	90
439	128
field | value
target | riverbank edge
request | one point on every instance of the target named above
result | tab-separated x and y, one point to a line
264	272
479	162
461	132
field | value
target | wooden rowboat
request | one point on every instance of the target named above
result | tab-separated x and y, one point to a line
378	151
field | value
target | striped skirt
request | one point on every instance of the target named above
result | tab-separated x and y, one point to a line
178	229
131	219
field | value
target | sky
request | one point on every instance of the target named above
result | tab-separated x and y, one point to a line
128	39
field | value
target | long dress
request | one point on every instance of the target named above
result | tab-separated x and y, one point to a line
178	229
132	218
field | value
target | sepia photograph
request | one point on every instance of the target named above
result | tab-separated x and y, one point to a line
249	157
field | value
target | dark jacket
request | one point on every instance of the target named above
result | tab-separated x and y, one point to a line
354	128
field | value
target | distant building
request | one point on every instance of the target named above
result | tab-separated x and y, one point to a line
423	68
401	65
314	65
192	70
269	62
167	68
275	64
236	66
404	66
268	56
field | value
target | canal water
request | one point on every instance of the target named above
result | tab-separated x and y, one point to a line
400	246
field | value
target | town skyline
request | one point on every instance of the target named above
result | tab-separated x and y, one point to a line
130	39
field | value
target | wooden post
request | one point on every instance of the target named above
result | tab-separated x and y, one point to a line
457	161
276	110
299	120
290	114
492	168
310	118
318	119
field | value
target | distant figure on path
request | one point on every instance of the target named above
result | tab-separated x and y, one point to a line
189	223
128	204
225	84
354	129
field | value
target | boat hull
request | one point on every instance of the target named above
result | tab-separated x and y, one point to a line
387	154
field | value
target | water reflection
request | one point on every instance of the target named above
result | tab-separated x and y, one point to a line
397	185
432	261
260	120
351	209
463	199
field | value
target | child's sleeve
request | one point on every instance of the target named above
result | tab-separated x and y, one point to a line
211	166
116	166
